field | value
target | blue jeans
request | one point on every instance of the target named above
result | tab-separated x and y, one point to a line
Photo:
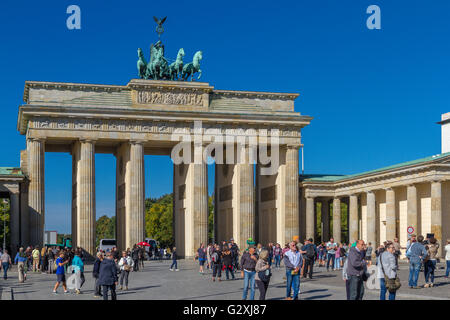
292	282
174	263
383	291
414	269
249	279
330	257
277	261
447	272
428	270
337	263
5	266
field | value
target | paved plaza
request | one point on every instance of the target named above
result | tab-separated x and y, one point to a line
157	282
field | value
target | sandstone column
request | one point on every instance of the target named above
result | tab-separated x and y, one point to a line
14	221
436	213
246	198
325	214
371	219
36	151
292	214
198	176
390	215
411	196
135	213
86	197
309	217
353	219
337	220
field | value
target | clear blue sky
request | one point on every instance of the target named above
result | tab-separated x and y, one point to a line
375	95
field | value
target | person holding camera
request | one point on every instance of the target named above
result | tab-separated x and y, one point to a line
125	265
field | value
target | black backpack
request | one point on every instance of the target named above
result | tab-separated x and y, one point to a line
310	252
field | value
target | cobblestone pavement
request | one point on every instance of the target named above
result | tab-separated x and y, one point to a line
156	281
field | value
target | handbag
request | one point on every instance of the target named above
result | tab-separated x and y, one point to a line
391	284
265	275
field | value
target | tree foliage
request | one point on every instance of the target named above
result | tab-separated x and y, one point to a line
105	228
159	220
4	219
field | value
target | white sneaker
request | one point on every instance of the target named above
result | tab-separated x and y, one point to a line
171	269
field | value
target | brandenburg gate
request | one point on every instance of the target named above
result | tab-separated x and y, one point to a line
144	117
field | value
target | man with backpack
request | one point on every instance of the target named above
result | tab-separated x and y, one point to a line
310	252
216	259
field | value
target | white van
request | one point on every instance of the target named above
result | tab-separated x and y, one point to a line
107	244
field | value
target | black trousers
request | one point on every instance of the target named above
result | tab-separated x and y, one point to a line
112	288
136	265
309	264
262	287
217	270
356	288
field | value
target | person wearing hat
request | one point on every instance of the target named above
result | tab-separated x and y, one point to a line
248	271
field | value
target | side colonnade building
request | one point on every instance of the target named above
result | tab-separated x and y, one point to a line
383	204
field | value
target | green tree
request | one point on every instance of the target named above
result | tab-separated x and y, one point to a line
4	219
159	220
105	228
210	218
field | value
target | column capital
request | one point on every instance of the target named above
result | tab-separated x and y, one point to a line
291	146
436	180
389	189
370	191
88	140
38	139
410	185
137	141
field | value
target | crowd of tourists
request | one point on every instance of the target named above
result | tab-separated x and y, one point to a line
254	264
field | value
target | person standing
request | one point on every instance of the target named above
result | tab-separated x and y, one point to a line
397	248
95	274
277	255
36	255
125	265
248	264
50	261
135	257
174	260
78	266
387	267
61	273
355	270
209	250
416	253
227	258
217	263
369	251
430	262
262	275
310	256
235	254
108	277
6	263
331	251
21	260
201	252
293	262
447	258
141	257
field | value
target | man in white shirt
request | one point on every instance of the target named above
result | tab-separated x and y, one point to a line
331	251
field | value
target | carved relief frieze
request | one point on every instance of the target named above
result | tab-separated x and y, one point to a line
145	126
